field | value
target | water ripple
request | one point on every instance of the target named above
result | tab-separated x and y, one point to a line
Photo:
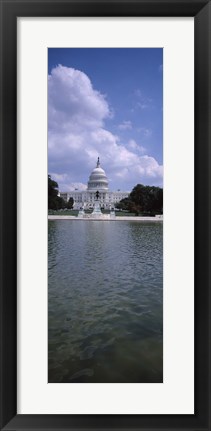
105	302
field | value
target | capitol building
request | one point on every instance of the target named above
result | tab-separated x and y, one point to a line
98	182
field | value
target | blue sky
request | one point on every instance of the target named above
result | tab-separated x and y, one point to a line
105	102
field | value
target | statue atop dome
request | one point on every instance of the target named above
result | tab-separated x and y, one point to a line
98	162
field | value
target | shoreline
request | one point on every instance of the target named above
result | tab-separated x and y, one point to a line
150	219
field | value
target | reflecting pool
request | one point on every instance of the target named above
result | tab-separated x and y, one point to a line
105	301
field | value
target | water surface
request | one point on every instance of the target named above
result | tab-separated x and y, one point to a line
105	301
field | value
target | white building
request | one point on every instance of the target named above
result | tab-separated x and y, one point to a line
98	181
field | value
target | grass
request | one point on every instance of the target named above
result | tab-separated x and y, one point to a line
63	213
75	213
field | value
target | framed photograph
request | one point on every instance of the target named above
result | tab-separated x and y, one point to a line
105	205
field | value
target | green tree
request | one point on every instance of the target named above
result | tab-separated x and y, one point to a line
70	203
55	202
143	200
148	198
123	204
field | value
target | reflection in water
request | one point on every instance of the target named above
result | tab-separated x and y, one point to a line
105	301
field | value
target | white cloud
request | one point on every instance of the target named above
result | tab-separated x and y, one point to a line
146	132
145	170
126	125
64	180
142	102
132	144
73	103
76	186
77	136
59	177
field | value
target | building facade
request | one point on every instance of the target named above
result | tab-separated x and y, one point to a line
98	182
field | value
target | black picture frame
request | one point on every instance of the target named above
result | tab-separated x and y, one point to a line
10	11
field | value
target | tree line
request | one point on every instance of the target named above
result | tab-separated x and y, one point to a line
144	200
55	202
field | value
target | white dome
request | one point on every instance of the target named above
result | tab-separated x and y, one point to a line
98	179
